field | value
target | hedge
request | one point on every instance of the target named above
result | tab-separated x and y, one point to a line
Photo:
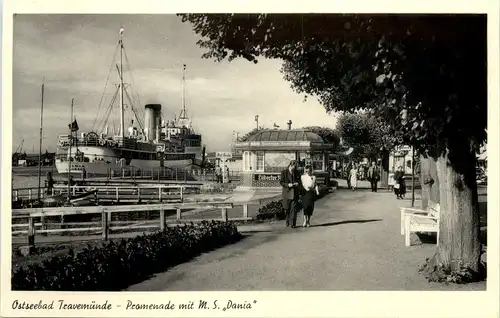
115	265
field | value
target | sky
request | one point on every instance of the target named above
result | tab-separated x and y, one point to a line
72	56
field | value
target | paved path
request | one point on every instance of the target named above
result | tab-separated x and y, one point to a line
354	244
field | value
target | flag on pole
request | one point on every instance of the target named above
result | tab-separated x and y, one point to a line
256	118
74	126
122	30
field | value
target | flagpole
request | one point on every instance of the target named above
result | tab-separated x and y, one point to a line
40	150
70	145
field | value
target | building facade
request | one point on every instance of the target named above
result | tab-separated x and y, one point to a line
268	152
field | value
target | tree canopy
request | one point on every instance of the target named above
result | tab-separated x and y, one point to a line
423	74
367	135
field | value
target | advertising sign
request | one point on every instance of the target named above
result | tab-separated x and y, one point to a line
267	177
223	155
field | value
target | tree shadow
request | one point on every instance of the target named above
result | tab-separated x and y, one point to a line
255	231
345	222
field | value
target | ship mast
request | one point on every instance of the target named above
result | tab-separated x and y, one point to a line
40	149
122	119
183	112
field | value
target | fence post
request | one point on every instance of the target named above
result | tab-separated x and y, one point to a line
117	194
138	194
31	232
179	214
159	194
105	225
245	210
16	195
162	219
224	215
30	194
182	194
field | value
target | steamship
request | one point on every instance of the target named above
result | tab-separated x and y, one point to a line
148	144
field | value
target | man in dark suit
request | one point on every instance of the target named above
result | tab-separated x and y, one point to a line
290	183
374	176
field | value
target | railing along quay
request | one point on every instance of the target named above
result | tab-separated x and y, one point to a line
114	193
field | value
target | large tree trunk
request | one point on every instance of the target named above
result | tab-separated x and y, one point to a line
424	181
459	244
435	194
429	180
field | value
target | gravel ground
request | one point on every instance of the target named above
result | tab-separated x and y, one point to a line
354	244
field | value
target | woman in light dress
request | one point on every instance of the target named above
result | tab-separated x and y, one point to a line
310	191
353	176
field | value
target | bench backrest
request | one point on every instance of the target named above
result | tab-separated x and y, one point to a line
433	209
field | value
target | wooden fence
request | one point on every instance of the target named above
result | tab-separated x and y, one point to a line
106	224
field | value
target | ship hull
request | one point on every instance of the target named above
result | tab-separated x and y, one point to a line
96	167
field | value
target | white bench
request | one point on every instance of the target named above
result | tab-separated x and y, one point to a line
417	220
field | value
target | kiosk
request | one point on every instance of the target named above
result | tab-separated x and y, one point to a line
268	152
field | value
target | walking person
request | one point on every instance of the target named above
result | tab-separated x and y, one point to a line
218	174
400	185
226	172
347	174
290	183
374	176
310	191
353	176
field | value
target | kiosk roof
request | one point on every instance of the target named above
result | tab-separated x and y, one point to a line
286	135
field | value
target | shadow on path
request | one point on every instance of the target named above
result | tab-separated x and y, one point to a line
346	222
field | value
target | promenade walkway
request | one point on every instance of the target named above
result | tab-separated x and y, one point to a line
354	244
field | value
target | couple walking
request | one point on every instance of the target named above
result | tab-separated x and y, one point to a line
298	187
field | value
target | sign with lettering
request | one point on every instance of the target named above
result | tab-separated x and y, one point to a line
281	143
267	177
223	155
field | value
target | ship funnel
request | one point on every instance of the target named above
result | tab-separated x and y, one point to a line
151	117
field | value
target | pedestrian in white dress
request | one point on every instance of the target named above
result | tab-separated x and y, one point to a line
309	193
353	174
